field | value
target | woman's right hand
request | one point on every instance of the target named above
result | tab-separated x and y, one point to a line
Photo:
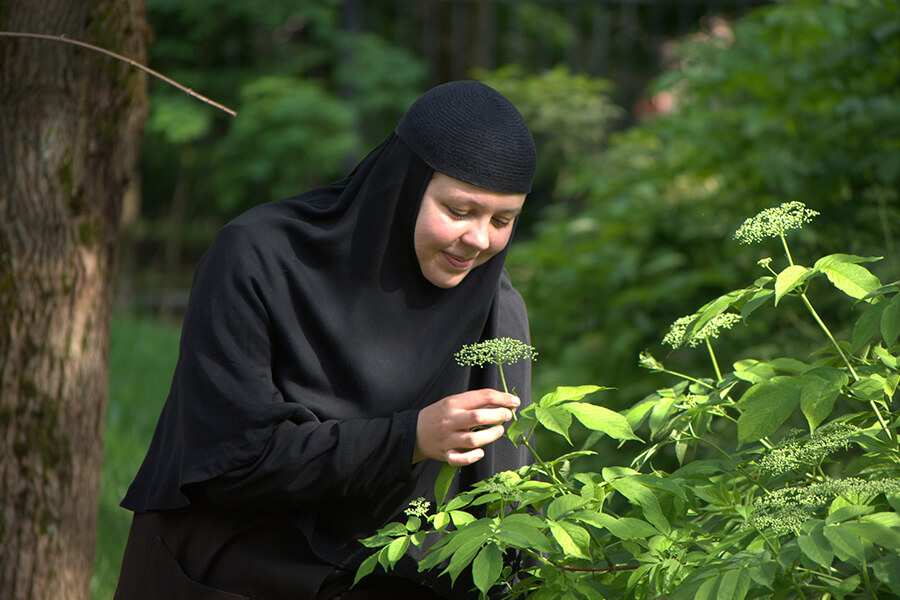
444	430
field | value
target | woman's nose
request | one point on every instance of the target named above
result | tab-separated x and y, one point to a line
477	236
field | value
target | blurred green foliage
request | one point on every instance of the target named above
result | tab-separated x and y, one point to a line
799	101
311	98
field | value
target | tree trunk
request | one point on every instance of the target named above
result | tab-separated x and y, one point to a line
70	128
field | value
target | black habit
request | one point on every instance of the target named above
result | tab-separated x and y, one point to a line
310	343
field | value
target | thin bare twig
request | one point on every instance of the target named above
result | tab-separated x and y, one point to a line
65	40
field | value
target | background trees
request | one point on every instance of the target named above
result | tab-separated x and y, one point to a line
70	128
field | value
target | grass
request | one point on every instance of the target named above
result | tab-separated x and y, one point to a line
142	359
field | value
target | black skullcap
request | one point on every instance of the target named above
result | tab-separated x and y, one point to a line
469	131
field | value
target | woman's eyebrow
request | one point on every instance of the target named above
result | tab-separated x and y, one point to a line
471	201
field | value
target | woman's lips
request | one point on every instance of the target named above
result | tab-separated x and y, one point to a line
457	262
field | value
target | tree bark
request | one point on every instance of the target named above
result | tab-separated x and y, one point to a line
70	129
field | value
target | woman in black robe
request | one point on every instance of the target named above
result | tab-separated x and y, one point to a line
315	393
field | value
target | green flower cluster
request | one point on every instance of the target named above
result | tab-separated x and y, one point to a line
793	454
773	222
418	508
504	484
497	351
675	337
788	508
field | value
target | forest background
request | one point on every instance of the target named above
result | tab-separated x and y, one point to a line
660	125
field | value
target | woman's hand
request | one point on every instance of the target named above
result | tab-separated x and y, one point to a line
444	429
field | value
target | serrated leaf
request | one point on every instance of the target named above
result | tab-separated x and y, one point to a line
463	555
766	406
556	419
486	567
788	280
890	321
847	276
564	393
602	419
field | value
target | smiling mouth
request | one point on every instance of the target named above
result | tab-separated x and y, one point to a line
457	262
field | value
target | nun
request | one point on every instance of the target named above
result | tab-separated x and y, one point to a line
316	394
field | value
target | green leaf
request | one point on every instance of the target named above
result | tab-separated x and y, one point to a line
660	414
820	388
397	549
463	555
885	537
365	568
789	279
443	481
486	567
441	520
523	531
817	548
640	495
847	276
710	310
564	504
845	543
870	387
890	321
625	528
766	406
573	539
733	585
867	326
556	419
753	371
461	518
887	570
602	419
757	300
564	393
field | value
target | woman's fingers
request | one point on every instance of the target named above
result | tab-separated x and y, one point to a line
456	427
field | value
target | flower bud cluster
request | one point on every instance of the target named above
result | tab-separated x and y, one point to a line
788	508
677	331
774	222
418	507
496	351
793	454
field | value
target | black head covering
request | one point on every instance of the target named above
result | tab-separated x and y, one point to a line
469	131
310	342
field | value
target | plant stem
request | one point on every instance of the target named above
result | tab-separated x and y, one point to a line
787	250
846	360
712	357
502	377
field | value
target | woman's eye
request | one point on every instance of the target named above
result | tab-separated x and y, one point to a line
500	223
456	214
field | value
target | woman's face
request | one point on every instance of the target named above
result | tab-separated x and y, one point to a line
460	226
